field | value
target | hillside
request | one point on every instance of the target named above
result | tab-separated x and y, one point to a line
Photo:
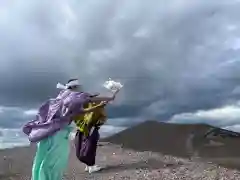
181	140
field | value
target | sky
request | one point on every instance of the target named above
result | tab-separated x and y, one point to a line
178	59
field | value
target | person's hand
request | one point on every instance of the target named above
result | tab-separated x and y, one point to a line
117	90
115	93
102	104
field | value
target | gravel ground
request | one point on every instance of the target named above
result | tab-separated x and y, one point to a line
119	164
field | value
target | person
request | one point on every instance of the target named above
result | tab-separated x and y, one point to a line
87	135
52	126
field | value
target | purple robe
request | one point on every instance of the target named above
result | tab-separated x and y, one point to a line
55	114
86	147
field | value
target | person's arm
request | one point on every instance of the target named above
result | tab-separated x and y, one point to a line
86	110
102	98
94	95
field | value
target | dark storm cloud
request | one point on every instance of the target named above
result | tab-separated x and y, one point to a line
172	56
13	117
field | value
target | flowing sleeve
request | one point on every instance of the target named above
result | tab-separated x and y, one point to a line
40	118
83	97
77	102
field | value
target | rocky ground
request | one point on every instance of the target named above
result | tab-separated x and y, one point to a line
119	164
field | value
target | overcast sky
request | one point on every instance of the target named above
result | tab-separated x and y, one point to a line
176	58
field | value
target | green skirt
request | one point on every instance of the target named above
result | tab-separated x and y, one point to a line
51	158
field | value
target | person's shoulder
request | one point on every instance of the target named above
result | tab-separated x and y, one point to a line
81	94
62	91
62	94
84	93
77	93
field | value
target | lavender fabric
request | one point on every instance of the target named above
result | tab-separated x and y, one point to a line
55	114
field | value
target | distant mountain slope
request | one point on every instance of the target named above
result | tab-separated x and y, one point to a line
179	139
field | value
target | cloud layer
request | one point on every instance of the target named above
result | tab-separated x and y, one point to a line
227	117
174	57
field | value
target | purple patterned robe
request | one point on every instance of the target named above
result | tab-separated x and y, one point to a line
55	114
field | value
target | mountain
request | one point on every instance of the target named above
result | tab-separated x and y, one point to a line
182	140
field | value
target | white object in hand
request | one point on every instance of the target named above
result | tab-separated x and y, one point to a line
112	85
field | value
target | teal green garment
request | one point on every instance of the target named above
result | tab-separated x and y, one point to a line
51	158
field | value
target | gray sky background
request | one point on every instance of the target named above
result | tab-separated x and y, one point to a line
176	58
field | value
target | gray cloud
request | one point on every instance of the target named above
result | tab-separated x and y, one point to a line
173	56
12	117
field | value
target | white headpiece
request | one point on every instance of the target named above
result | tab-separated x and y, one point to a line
70	84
